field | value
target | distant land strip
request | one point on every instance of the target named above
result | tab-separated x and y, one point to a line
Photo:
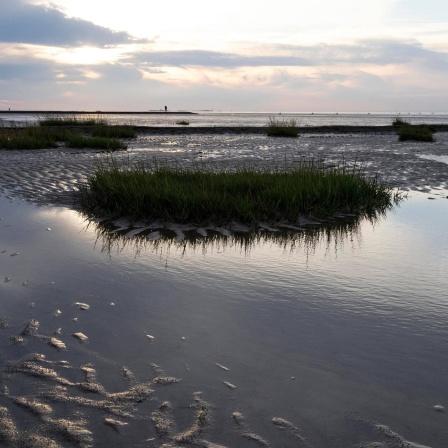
334	129
95	112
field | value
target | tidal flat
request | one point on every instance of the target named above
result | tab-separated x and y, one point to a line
331	336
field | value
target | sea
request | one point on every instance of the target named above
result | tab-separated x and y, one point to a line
209	118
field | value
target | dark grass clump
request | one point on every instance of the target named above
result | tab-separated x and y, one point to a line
108	131
202	195
416	133
79	141
36	137
282	128
30	137
183	123
399	122
51	120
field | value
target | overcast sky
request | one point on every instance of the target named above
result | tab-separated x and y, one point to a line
236	55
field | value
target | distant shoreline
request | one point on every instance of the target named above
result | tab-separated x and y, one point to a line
97	112
331	129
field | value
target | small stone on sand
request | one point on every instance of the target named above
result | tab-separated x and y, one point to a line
82	306
57	344
222	367
80	336
439	408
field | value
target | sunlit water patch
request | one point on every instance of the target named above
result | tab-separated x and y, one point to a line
322	339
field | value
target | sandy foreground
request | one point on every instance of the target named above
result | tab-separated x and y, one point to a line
73	319
50	176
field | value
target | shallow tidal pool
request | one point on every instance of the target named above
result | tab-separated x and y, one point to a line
324	339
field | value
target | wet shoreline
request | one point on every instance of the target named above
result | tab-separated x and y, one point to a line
52	176
335	129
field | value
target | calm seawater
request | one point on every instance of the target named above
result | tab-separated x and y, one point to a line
344	333
252	119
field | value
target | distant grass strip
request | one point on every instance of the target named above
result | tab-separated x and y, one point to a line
79	141
201	195
71	121
36	137
420	133
29	137
108	131
282	128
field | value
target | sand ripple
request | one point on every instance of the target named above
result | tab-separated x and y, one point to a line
51	176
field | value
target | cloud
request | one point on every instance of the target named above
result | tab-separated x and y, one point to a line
23	22
27	72
375	52
213	59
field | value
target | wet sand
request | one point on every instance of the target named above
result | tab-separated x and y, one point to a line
50	176
109	352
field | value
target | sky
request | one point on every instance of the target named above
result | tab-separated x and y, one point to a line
237	55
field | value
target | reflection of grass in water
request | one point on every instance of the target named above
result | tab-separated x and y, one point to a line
331	235
247	194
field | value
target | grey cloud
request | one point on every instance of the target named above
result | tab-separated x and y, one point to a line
34	72
379	52
26	23
213	59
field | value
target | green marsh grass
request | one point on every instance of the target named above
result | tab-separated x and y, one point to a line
36	137
55	120
399	122
29	137
282	128
419	133
204	195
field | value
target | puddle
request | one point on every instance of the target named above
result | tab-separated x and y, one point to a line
443	159
318	338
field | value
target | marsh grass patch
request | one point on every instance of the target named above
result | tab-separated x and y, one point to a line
282	128
29	137
398	121
44	137
247	194
421	133
63	120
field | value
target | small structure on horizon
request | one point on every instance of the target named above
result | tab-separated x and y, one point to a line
166	109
